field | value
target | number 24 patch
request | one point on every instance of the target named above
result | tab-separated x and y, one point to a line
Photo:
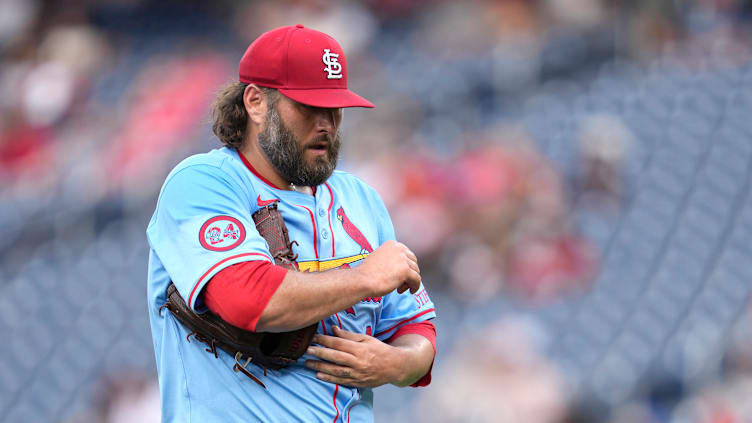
221	233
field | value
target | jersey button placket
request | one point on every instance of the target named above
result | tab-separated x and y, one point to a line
322	226
324	231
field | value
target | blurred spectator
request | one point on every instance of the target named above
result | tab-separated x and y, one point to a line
603	148
547	267
583	14
724	402
45	85
125	397
133	399
16	18
167	104
24	147
652	26
493	218
344	20
496	374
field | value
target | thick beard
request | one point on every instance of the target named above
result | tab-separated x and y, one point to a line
286	154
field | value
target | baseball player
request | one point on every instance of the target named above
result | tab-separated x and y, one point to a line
358	285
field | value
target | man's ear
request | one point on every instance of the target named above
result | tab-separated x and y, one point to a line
255	104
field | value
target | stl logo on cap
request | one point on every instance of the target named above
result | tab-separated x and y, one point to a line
333	68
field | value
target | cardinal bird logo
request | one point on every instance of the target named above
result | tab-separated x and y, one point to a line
354	232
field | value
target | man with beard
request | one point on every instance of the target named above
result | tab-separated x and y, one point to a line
280	128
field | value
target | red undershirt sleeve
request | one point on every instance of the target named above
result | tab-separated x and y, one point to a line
428	331
240	293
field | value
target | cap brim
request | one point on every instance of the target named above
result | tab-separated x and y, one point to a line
326	97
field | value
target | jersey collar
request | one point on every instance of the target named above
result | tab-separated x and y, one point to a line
258	175
254	171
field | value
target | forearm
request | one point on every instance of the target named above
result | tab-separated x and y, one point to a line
305	298
415	355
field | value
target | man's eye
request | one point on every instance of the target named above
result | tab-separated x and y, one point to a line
307	109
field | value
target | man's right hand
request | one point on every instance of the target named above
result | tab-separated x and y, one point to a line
389	267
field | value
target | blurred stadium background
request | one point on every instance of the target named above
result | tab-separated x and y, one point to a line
573	174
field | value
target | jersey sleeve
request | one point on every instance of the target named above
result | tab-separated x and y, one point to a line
227	292
202	225
398	309
402	309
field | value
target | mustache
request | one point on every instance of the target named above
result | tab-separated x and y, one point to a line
327	139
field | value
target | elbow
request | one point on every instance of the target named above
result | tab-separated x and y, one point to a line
268	323
275	320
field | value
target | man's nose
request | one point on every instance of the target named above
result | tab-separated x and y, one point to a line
324	120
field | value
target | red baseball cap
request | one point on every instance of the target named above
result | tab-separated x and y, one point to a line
305	65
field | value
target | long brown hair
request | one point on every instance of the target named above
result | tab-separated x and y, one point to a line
228	113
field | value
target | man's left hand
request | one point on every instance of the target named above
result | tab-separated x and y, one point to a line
355	359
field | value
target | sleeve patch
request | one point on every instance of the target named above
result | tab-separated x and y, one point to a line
221	233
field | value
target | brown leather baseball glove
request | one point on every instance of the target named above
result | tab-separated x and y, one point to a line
268	350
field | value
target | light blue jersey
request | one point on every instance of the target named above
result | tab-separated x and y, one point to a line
201	225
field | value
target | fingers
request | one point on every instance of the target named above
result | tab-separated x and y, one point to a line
331	355
338	348
329	369
413	266
336	343
412	259
326	377
347	334
413	278
405	271
408	252
338	367
340	333
412	283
